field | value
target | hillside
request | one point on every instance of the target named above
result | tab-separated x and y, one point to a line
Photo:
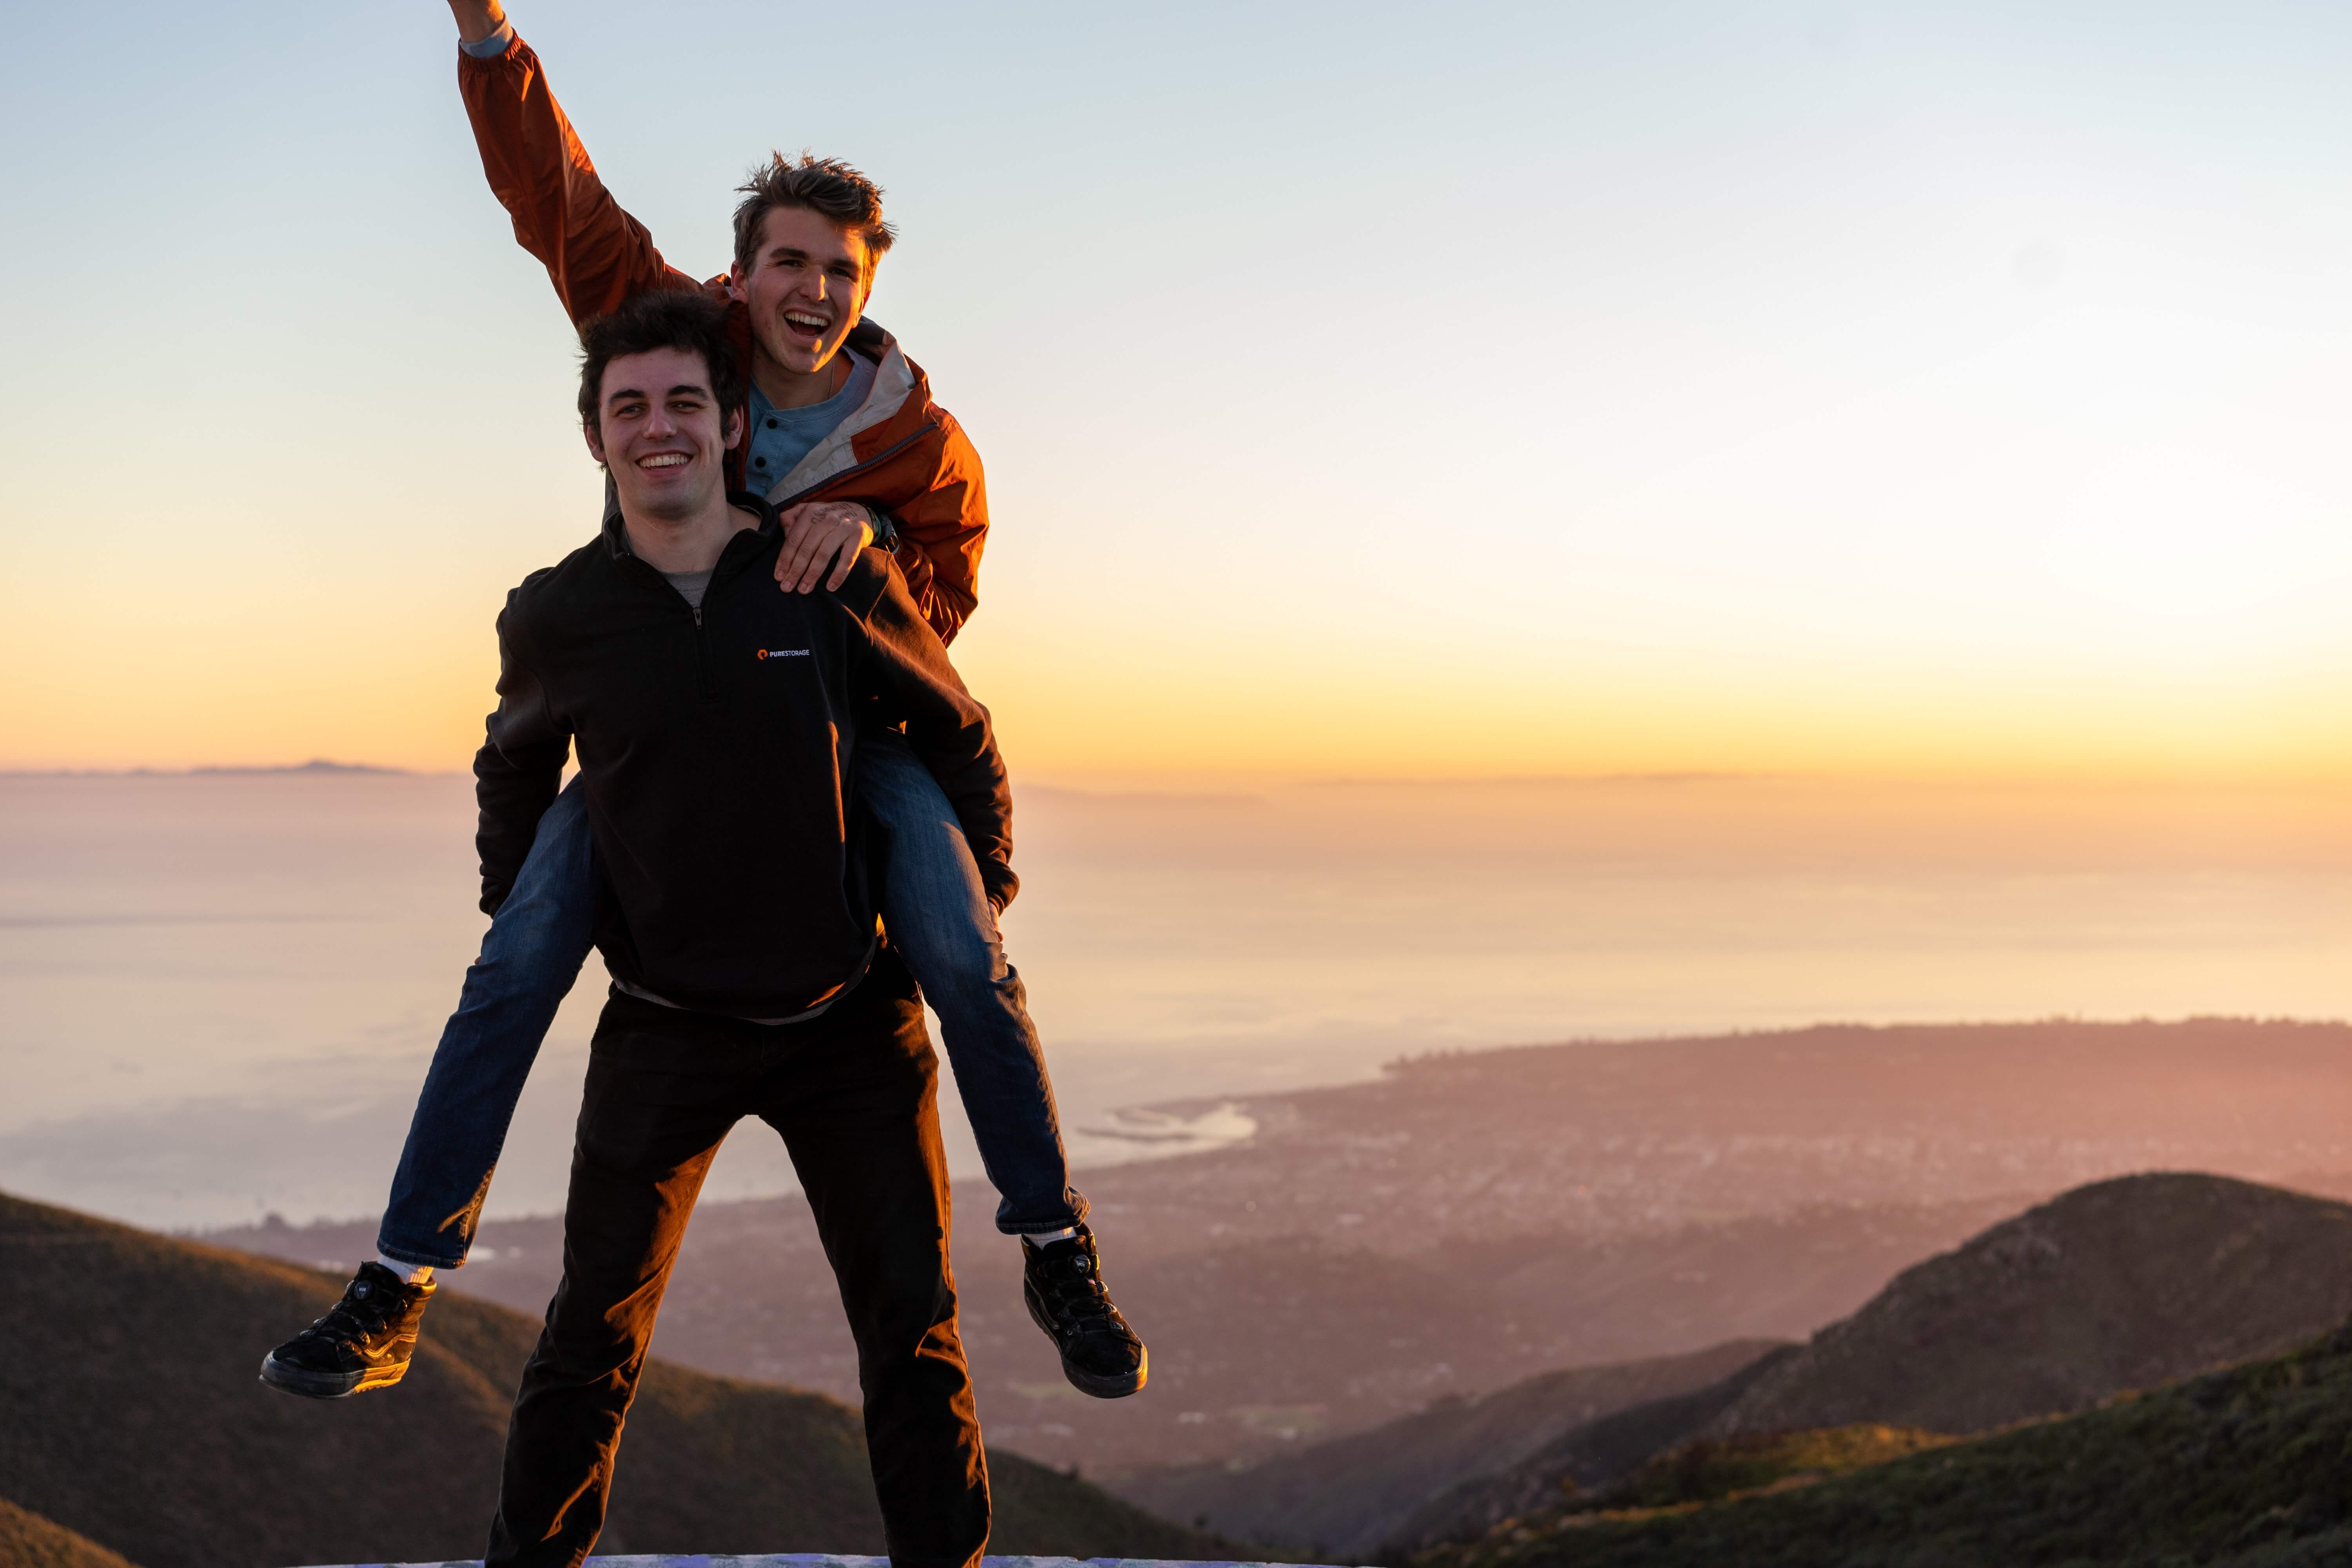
2118	1285
134	1417
1344	1497
1468	1221
2240	1468
1257	1347
2121	1284
28	1540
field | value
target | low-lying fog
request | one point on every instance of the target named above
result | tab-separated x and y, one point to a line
217	992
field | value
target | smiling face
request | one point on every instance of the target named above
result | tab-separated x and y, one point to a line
807	284
660	432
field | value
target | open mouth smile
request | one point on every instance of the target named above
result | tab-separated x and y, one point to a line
659	461
806	325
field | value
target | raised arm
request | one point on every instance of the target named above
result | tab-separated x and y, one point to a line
902	670
516	773
596	254
478	19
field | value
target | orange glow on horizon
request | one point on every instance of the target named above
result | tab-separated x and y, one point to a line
265	690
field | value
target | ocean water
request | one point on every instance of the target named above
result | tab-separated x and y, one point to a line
218	992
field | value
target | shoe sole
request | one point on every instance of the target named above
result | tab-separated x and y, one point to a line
1110	1387
294	1380
1086	1382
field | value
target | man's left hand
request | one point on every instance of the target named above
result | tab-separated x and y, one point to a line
821	533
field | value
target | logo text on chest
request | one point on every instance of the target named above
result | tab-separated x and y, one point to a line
783	653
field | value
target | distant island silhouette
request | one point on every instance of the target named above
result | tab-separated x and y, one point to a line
315	766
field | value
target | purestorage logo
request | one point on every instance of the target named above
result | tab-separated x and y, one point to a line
783	653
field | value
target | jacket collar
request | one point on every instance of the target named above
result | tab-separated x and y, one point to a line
898	388
898	408
615	530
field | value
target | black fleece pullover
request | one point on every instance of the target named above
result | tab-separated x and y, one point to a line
718	749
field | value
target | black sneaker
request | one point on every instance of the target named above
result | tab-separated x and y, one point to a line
1062	1283
364	1343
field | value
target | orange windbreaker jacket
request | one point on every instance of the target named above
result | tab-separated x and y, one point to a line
900	452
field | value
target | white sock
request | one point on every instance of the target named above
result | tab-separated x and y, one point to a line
410	1273
1044	1238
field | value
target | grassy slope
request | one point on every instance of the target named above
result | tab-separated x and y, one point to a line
2251	1467
1592	1454
2121	1284
1718	1469
28	1540
1347	1494
127	1369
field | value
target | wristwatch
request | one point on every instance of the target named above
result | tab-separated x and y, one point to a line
886	531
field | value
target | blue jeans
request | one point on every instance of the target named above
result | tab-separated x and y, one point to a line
938	917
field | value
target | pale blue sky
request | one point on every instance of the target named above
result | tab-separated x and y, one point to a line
1671	386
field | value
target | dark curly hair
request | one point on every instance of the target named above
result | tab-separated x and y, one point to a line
661	318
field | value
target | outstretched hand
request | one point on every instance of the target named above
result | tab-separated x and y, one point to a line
817	534
476	19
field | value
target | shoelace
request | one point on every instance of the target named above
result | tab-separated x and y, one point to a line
1079	1296
349	1323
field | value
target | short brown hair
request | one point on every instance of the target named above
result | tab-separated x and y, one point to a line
661	318
826	186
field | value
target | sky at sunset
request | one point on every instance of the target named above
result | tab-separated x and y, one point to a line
1366	390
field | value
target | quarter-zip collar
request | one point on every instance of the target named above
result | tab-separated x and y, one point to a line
743	545
738	545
